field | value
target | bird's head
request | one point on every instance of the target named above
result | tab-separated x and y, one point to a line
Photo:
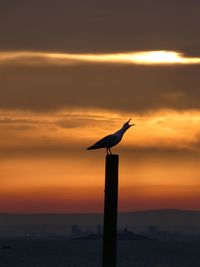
127	125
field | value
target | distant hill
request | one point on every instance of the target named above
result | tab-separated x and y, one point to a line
170	220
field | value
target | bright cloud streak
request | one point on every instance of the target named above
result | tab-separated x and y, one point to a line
138	58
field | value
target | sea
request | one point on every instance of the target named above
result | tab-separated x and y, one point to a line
88	253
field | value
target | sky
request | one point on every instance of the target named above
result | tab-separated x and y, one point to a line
72	72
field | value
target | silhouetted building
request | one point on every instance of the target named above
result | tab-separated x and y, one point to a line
152	230
99	229
154	233
76	231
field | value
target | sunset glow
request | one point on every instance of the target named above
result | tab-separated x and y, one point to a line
166	128
46	163
138	58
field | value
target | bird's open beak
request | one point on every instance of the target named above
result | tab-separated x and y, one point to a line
130	124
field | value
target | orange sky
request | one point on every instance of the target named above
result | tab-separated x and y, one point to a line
45	166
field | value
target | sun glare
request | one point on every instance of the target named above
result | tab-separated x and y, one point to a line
158	57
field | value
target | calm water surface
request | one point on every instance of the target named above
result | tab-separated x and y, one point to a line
29	253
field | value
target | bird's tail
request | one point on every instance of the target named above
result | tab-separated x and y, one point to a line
91	147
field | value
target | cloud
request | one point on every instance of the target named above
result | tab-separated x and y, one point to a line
70	72
7	120
131	58
101	26
132	88
69	132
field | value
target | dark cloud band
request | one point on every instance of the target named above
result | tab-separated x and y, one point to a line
135	88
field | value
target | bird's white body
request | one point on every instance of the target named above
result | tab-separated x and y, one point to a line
112	139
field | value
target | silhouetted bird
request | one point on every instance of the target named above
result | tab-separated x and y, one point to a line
112	139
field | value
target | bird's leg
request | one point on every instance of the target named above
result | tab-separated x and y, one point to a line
110	151
107	151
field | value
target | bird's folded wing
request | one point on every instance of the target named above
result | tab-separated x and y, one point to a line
107	141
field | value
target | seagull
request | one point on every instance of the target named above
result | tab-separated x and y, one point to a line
112	139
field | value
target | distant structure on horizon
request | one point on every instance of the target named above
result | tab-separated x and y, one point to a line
76	231
163	235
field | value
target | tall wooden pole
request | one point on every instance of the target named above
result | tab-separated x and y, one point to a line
110	211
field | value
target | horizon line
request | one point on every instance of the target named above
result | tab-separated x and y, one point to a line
98	213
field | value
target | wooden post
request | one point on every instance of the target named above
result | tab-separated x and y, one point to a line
110	211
